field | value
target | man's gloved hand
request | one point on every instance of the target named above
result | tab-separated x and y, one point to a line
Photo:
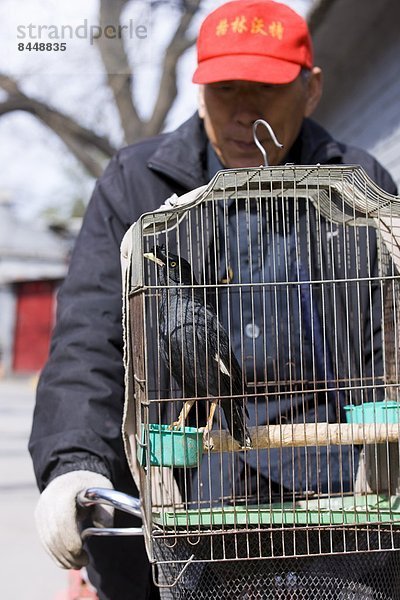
57	516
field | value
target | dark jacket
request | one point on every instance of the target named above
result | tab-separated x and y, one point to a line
305	333
77	420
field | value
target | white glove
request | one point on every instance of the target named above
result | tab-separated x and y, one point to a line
57	516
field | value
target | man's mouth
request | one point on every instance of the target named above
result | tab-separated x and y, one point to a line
243	145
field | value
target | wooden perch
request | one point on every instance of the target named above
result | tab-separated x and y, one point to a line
309	434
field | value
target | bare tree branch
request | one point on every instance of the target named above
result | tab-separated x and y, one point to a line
93	166
119	75
86	145
168	89
8	84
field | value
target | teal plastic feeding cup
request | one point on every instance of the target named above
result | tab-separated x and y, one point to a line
171	447
373	412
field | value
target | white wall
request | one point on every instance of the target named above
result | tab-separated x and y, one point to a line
7	325
361	103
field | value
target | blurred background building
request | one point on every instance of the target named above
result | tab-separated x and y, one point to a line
357	44
33	261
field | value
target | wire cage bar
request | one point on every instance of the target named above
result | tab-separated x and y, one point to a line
288	320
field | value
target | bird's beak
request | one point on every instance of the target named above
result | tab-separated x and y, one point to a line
154	258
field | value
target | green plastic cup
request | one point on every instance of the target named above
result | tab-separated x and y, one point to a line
171	447
373	412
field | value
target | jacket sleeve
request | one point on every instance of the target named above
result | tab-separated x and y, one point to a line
78	413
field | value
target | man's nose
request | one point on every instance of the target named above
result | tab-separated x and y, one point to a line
247	110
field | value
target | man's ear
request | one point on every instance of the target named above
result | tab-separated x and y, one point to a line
200	98
314	90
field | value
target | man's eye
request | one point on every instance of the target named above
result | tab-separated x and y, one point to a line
272	86
223	87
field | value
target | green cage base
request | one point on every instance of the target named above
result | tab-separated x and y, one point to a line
350	510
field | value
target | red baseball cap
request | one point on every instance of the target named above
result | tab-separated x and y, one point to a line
253	40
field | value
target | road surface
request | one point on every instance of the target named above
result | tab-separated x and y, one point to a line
26	572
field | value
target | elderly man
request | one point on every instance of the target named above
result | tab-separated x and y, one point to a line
254	61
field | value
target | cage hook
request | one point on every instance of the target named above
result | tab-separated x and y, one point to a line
259	144
173	584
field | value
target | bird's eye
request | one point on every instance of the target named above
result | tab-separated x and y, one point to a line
172	264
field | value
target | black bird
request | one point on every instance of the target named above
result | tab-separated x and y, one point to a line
195	346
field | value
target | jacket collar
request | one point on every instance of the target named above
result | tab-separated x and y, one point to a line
182	154
316	145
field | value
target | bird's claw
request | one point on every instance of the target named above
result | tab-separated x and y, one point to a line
207	439
176	426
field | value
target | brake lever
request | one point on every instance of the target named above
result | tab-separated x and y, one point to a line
119	501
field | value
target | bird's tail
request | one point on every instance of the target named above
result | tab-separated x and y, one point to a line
236	415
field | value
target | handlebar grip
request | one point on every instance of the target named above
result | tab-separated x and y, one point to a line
116	499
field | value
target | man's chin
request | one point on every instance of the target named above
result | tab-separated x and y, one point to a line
243	160
249	163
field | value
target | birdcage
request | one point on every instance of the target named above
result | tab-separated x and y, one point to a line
288	318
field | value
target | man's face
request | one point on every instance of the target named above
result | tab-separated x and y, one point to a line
229	109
